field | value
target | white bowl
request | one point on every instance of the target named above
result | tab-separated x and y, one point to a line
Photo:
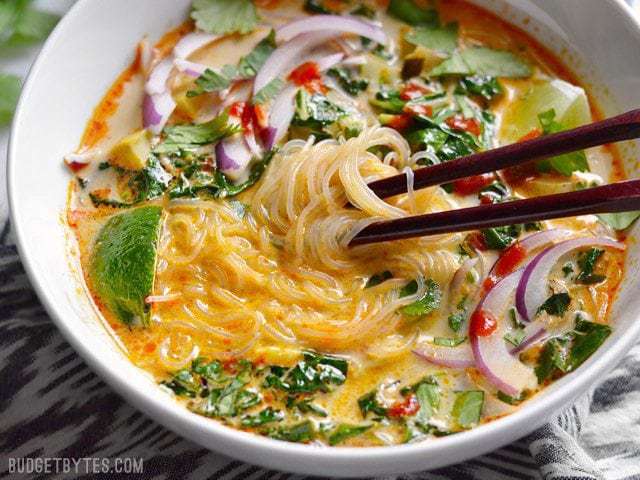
599	39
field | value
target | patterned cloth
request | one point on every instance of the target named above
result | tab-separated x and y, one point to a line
52	405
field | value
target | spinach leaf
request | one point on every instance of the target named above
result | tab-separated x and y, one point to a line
268	415
484	86
553	357
587	262
344	431
9	94
223	17
353	86
441	39
619	221
563	164
299	433
378	278
588	336
368	403
409	12
557	304
468	408
429	302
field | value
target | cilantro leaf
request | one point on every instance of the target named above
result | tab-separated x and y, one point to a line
429	302
343	432
268	415
353	86
553	357
409	12
378	278
223	17
441	39
557	304
314	373
368	403
9	94
483	61
448	342
188	137
484	86
468	408
619	221
213	81
300	433
500	238
587	262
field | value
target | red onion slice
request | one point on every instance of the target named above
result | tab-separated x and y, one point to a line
190	68
233	157
340	23
450	357
492	356
532	289
156	111
157	82
534	333
191	43
280	116
284	58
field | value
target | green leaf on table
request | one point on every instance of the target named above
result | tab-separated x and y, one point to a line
9	94
33	26
441	39
223	17
619	221
10	12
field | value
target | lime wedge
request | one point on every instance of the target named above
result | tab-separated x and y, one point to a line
122	269
569	102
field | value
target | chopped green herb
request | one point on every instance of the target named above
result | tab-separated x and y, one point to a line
553	356
563	164
368	403
104	166
448	342
343	432
483	61
306	406
317	6
223	17
268	92
619	221
557	304
587	262
212	81
500	238
299	433
378	278
315	110
468	407
503	397
268	415
314	373
429	302
515	337
456	320
353	86
484	86
567	269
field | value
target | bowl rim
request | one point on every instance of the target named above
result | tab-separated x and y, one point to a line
197	428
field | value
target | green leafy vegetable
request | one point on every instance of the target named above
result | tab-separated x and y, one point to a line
441	39
314	373
618	221
483	61
343	432
212	81
587	262
456	320
378	278
305	406
9	93
428	396
268	415
563	164
353	86
368	403
318	6
448	342
188	137
515	337
429	302
409	12
250	65
486	87
33	26
315	110
299	433
503	397
151	182
500	238
223	17
557	304
122	266
468	408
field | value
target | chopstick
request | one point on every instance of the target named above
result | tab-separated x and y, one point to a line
612	198
616	129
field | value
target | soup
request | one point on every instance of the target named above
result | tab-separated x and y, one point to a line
222	177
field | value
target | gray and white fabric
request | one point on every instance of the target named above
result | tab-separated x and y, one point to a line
52	405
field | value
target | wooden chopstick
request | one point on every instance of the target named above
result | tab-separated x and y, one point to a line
616	129
612	198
